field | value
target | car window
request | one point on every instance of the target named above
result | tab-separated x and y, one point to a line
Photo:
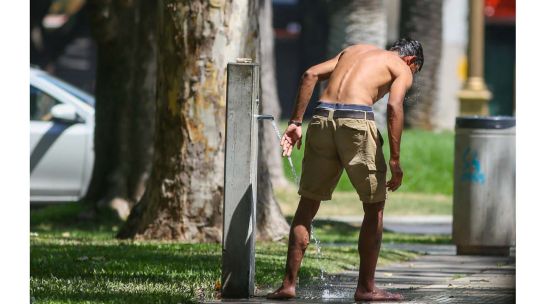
41	104
81	95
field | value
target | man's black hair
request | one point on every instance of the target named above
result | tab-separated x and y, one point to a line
409	47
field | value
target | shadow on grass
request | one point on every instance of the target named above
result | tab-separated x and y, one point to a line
119	272
72	217
116	272
73	259
76	260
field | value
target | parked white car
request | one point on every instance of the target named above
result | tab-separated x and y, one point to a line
61	139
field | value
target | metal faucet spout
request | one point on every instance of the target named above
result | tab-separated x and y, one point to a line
264	116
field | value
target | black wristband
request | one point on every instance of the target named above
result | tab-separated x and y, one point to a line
295	122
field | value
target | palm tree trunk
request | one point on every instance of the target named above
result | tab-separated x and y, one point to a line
357	21
422	20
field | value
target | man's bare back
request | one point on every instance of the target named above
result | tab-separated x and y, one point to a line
360	74
363	74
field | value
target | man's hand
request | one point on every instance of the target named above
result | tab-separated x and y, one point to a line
292	136
397	175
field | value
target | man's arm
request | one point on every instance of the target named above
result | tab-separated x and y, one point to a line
395	125
311	76
316	73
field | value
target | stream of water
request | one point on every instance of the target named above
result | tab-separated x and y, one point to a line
326	294
293	170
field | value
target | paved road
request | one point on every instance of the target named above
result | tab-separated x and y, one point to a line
441	224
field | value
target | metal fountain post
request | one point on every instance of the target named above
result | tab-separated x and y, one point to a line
240	186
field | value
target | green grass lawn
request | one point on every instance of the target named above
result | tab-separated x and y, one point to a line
76	261
333	232
348	203
426	159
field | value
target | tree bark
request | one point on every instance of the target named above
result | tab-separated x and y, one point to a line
124	111
183	199
422	20
142	120
271	225
269	95
109	21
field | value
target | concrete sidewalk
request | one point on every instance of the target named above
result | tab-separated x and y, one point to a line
438	277
434	279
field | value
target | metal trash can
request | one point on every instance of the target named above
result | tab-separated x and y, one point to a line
484	219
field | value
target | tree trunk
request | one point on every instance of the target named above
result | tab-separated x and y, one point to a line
422	20
271	224
183	199
269	95
109	23
142	120
359	21
124	112
38	10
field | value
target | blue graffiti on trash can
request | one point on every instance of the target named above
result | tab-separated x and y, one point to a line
472	172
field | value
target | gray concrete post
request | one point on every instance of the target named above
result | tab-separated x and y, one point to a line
240	193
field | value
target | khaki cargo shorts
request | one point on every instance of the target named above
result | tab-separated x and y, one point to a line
333	144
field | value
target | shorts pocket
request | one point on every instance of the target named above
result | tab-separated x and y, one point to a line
377	181
376	162
354	125
373	183
372	168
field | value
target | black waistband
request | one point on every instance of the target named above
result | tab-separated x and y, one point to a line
345	114
343	106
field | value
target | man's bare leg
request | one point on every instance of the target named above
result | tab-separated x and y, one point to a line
298	242
369	245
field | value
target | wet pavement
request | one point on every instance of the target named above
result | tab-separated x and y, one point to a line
437	277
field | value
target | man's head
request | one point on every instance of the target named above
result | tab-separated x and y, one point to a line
411	52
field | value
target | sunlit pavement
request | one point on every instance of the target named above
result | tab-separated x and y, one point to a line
437	277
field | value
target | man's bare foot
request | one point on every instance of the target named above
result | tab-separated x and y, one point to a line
282	293
376	295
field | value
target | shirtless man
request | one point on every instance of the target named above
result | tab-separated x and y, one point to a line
342	135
